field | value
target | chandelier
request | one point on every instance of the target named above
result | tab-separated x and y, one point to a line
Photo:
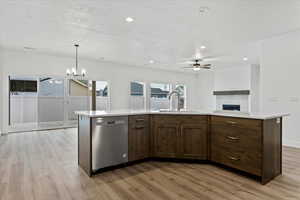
73	73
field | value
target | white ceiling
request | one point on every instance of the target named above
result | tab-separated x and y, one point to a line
164	30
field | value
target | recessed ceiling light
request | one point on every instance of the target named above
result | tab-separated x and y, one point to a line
203	47
245	59
151	61
129	19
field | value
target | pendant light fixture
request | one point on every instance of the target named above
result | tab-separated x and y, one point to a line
73	73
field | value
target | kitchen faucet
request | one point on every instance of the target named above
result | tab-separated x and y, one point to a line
175	92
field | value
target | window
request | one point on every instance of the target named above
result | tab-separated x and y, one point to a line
79	88
137	95
136	89
182	100
53	87
102	95
23	100
80	96
101	89
50	100
159	96
23	85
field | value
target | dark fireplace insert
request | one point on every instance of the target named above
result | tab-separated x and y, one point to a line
231	107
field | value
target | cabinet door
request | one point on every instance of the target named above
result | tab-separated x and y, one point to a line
138	138
166	139
193	141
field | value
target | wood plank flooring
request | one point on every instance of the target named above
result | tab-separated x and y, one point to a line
43	165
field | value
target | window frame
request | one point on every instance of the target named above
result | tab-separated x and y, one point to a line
170	90
145	90
185	93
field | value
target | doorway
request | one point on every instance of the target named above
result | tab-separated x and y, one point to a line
41	103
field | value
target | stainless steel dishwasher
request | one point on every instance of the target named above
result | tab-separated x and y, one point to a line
109	142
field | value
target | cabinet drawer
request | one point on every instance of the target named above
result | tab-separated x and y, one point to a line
166	119
253	124
138	121
138	137
248	162
243	139
194	119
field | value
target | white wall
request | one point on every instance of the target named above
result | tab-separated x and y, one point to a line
232	78
118	76
205	87
280	82
243	77
255	88
1	92
225	78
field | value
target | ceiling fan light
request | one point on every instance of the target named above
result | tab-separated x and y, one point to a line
196	69
198	56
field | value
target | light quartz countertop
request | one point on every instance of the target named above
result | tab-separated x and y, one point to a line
236	114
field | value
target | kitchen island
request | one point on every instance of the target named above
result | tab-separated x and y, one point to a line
250	143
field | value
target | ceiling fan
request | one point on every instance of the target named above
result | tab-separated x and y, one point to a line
196	65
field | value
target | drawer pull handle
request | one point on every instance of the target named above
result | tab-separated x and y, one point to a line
231	122
140	120
139	127
233	158
232	138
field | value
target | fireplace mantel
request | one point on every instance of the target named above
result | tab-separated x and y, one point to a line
232	92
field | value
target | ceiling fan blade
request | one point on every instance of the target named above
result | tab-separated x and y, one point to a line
206	65
192	59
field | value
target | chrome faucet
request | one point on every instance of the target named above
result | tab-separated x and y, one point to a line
178	96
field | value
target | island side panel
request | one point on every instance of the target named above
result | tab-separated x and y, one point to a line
84	144
272	149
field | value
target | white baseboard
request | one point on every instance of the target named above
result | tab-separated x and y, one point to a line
292	143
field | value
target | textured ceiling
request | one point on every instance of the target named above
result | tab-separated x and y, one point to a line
164	30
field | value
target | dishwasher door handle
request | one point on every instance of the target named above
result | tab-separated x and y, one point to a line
110	123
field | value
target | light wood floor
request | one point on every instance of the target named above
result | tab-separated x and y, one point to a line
44	166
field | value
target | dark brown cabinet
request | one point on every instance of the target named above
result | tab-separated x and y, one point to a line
250	145
165	136
180	137
138	137
193	141
237	143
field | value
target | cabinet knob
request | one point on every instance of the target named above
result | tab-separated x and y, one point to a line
233	158
231	122
232	138
139	127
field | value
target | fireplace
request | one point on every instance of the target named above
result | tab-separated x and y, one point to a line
231	107
233	103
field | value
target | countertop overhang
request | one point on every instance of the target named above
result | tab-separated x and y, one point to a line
257	115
